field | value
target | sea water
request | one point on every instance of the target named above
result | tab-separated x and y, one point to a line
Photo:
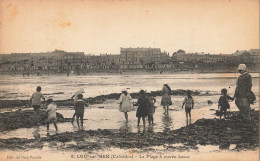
107	115
61	87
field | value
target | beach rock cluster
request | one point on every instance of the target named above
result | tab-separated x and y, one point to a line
23	119
234	130
13	103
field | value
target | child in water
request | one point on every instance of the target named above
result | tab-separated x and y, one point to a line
189	104
223	103
36	102
166	98
79	109
125	103
51	111
143	107
152	100
75	96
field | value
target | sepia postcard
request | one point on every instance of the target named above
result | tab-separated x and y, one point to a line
158	80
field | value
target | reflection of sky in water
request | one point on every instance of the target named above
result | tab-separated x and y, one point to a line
62	87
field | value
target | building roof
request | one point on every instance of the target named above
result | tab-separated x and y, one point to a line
241	52
140	49
254	51
193	54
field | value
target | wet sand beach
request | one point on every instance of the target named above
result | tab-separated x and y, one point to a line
105	128
222	133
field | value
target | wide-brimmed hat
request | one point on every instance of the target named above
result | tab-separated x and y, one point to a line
124	90
241	67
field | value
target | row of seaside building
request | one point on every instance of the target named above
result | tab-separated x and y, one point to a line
129	58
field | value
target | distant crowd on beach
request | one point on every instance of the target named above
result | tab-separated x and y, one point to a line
146	103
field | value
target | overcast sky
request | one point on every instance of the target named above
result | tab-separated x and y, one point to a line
103	26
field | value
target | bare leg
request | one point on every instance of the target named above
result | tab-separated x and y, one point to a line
126	116
143	120
249	113
190	115
149	119
37	115
73	117
225	114
77	120
81	119
138	121
48	126
167	109
152	118
55	125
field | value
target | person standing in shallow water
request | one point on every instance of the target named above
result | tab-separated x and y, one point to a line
166	98
75	96
143	107
243	89
223	103
51	111
189	104
152	101
125	103
35	101
79	109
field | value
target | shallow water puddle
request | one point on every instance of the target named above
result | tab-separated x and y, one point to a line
109	117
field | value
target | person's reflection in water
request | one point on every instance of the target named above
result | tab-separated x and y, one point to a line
150	129
188	122
125	127
36	133
167	122
139	129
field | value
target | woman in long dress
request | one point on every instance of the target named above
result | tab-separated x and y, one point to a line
166	98
125	103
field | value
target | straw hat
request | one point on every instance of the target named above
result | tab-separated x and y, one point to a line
124	90
242	67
